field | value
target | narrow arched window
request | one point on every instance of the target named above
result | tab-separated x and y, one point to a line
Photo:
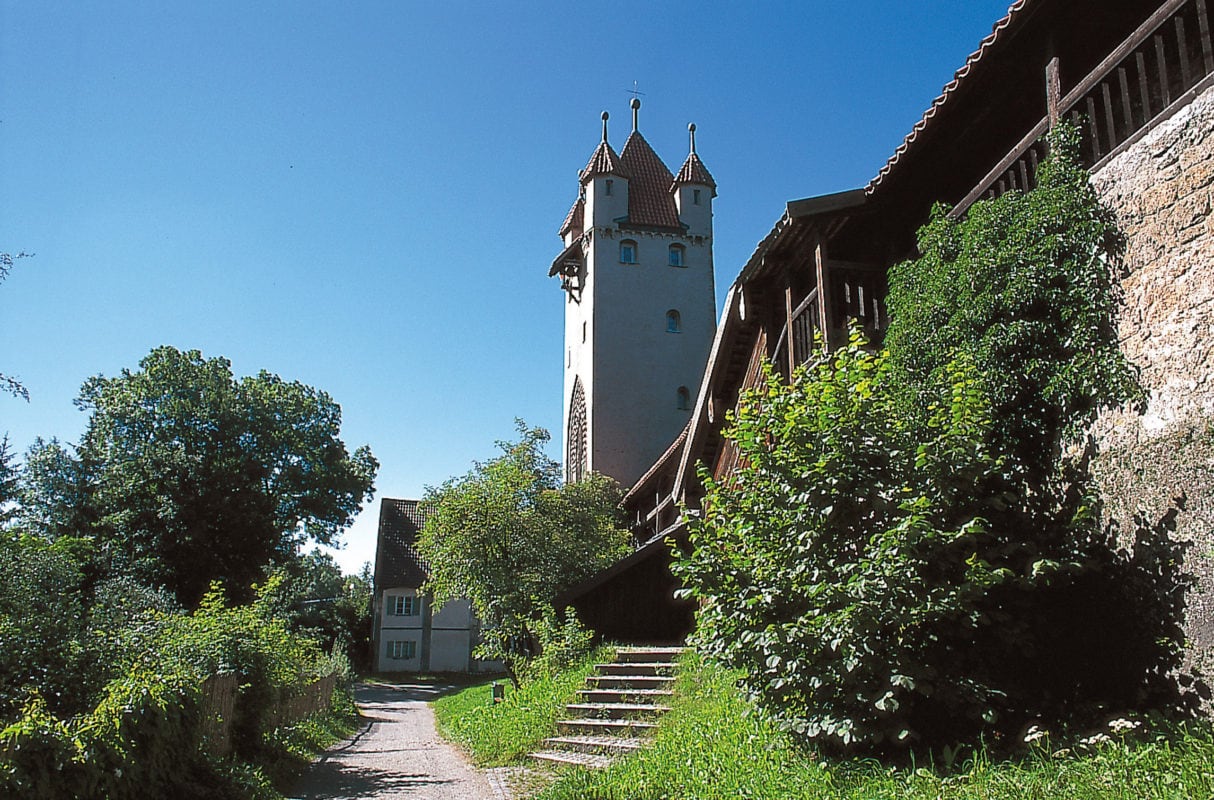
628	252
575	442
684	399
673	323
677	256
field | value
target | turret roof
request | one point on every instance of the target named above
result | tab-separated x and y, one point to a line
604	161
694	171
575	219
649	201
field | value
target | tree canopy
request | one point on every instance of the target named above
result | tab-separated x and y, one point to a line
186	475
911	551
509	537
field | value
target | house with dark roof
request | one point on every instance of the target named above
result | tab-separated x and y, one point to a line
409	634
1137	78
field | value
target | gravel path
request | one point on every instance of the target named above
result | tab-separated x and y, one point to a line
396	754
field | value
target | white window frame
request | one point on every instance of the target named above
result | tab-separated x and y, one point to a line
403	605
402	649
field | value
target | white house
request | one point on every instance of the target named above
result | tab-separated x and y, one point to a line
409	635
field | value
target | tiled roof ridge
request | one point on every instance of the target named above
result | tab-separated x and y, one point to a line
576	218
693	171
649	200
1013	11
603	161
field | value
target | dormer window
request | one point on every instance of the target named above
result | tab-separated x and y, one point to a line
628	252
677	256
607	187
695	196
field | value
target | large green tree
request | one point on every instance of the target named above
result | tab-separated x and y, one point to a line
188	475
911	550
318	601
509	537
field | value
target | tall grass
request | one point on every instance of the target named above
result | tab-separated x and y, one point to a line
711	747
498	734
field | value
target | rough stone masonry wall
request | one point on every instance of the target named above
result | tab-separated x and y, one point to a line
1160	188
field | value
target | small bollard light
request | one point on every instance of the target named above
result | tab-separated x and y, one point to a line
499	692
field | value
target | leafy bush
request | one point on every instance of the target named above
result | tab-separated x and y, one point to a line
40	624
247	641
562	643
911	550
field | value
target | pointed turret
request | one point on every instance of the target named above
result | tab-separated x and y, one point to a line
649	203
604	185
693	189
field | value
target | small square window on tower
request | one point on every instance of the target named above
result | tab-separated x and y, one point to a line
677	256
628	252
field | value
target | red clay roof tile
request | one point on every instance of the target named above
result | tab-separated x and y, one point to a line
649	180
575	219
603	161
694	171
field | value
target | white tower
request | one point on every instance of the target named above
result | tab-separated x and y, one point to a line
640	307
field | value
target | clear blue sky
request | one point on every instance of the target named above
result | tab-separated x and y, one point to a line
364	196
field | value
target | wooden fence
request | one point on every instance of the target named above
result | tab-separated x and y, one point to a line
218	708
1168	59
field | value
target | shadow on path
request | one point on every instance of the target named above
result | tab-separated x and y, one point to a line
396	752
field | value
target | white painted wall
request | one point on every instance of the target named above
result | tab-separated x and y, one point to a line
616	339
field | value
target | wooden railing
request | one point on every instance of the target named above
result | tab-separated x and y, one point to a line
1169	56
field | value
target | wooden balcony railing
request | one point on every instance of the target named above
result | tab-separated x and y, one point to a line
1169	56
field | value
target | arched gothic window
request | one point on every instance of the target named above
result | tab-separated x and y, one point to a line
575	438
673	323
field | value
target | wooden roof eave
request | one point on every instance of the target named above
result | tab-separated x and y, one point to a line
559	261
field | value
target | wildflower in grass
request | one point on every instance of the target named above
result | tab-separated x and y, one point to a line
1034	734
1096	739
1123	726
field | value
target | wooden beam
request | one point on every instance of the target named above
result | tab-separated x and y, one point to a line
1123	50
823	277
1183	46
1053	91
792	356
1203	27
1124	82
1144	88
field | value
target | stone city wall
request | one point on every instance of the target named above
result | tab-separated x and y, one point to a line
1160	188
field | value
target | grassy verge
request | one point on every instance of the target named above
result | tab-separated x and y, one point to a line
498	734
291	749
710	747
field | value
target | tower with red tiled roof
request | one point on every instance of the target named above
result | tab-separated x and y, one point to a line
640	307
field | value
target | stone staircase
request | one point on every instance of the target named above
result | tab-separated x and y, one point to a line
619	706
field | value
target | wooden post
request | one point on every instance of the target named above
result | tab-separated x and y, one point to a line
823	278
792	356
1053	91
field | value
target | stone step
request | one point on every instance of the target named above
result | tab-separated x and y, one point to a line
617	710
626	655
623	695
637	668
630	681
601	745
590	760
590	725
